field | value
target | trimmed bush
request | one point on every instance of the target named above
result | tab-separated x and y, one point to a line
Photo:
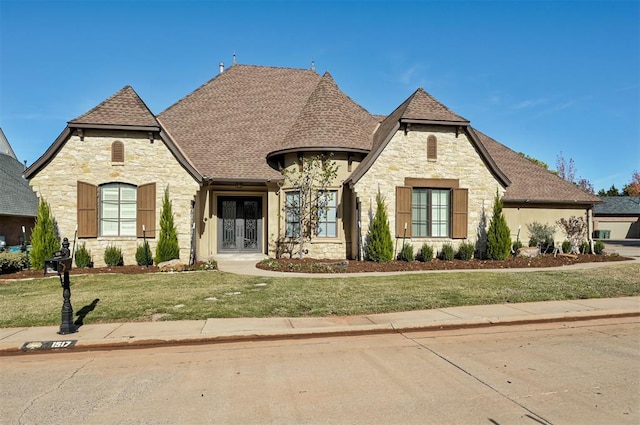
498	235
447	252
465	251
13	261
516	246
566	247
83	257
113	256
598	247
167	248
425	254
379	243
406	253
144	257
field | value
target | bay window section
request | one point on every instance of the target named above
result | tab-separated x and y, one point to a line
327	214
292	214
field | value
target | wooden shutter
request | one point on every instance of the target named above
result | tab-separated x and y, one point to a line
432	148
403	210
460	213
117	151
87	210
146	211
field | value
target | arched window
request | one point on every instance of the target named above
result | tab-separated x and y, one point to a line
432	148
117	151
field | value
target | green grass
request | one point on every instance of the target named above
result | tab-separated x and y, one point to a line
183	296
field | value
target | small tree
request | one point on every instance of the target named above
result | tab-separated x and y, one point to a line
44	241
379	242
576	230
310	180
167	248
498	235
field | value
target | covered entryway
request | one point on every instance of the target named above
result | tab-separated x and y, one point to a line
239	224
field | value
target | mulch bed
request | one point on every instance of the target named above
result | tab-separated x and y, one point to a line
310	265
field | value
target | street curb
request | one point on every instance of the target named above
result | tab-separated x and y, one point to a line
311	333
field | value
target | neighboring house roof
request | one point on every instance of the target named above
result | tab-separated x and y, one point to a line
5	147
124	108
229	125
618	206
16	197
529	181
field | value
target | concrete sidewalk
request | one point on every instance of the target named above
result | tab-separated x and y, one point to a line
146	334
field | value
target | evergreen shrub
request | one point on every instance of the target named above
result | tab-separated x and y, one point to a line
113	256
598	247
167	248
566	247
425	254
585	248
83	257
13	261
447	252
44	241
498	235
406	253
144	257
466	250
379	243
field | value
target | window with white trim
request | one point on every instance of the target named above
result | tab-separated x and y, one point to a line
118	208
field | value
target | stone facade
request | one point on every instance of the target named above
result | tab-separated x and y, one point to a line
89	160
405	156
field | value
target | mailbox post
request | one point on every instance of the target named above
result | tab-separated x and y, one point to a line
61	264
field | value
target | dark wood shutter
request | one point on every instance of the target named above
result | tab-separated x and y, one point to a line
432	148
117	151
146	210
460	213
403	210
87	210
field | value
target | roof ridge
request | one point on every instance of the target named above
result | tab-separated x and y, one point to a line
427	107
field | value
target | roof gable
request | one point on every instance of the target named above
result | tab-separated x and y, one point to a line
330	119
124	108
421	106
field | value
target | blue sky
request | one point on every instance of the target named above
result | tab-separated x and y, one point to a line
542	77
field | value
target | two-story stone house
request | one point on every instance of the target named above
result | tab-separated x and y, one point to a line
220	148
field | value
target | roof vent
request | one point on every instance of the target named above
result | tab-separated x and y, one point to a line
234	58
221	67
313	65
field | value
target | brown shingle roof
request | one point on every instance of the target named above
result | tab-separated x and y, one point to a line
227	127
529	181
422	106
124	108
330	119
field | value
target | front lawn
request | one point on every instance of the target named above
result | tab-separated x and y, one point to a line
208	294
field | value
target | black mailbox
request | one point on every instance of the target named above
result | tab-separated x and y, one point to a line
59	263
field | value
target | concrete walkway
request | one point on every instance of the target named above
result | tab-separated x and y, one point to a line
145	334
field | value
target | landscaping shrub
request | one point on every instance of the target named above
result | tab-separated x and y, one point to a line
113	256
498	235
585	248
13	261
425	254
598	247
575	229
44	241
406	253
379	243
516	246
167	248
466	250
541	234
144	257
566	247
447	252
83	257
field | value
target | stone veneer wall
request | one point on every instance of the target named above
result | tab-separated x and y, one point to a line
89	160
406	156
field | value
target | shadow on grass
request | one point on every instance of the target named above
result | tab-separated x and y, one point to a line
82	313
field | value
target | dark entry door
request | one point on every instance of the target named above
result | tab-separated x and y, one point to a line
239	224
